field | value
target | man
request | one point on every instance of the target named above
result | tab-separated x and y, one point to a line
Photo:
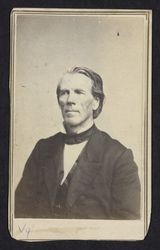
82	172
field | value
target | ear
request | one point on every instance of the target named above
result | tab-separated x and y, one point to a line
96	102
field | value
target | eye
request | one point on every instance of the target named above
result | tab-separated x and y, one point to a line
79	91
63	92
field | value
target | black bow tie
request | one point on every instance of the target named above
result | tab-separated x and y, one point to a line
78	138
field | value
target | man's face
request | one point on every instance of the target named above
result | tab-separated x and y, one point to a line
76	100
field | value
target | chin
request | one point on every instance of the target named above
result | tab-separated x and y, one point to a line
72	122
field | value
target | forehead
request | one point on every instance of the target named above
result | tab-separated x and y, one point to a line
74	81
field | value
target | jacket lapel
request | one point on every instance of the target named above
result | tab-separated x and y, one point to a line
88	165
53	168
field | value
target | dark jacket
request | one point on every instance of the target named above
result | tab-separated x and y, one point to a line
105	182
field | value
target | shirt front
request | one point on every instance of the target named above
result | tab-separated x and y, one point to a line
71	152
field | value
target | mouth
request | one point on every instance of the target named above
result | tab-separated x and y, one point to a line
71	111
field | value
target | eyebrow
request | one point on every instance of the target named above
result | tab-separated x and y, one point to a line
65	89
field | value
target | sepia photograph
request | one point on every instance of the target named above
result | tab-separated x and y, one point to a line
80	135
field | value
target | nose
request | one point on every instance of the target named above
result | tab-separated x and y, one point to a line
71	98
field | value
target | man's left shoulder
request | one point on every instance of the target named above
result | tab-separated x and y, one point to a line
114	152
110	145
108	140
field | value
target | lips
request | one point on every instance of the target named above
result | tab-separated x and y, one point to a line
71	111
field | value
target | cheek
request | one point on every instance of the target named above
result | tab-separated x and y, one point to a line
62	101
87	105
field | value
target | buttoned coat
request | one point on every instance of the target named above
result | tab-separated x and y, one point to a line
104	185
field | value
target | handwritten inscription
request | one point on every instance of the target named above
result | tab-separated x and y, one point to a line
25	230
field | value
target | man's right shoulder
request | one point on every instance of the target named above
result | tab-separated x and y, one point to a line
52	138
51	141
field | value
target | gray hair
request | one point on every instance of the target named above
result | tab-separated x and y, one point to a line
97	86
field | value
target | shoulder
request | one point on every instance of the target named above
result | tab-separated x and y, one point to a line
112	148
109	142
52	138
116	156
49	142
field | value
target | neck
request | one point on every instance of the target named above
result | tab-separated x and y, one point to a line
78	129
